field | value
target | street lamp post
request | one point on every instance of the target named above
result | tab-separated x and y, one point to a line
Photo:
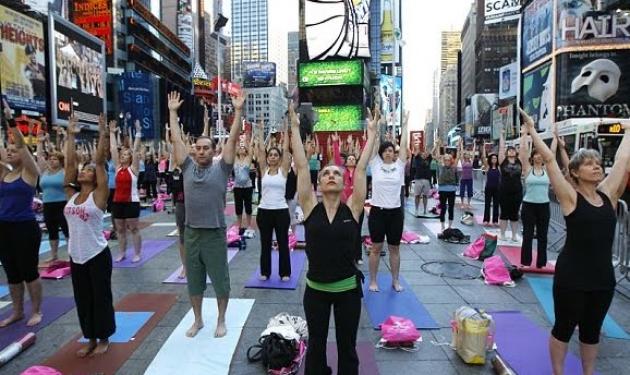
218	25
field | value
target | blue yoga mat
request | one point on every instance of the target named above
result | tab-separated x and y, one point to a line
543	289
4	291
381	305
128	323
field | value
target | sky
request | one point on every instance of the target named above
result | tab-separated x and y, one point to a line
423	21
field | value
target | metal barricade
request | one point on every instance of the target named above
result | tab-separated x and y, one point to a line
556	223
621	246
479	181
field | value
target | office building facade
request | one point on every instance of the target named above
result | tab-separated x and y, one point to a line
250	34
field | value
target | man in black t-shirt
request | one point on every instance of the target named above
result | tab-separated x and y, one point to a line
421	172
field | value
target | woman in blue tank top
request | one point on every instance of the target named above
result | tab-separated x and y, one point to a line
19	230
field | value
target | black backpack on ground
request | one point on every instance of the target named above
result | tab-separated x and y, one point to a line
274	351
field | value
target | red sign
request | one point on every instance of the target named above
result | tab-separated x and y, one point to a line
226	86
416	137
95	17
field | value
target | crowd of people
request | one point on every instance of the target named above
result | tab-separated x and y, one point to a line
330	185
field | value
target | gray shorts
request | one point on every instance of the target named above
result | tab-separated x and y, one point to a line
180	219
421	187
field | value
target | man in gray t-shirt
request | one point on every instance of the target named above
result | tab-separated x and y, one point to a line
205	187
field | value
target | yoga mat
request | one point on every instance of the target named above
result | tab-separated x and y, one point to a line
508	235
128	323
150	248
410	207
297	263
300	235
388	302
4	291
174	279
4	304
543	290
52	309
433	227
66	361
164	224
174	233
229	210
525	346
513	255
202	354
365	351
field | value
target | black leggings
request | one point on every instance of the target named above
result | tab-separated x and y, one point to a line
314	174
491	198
55	220
535	215
19	250
586	309
243	197
347	310
510	202
269	221
447	197
92	285
150	187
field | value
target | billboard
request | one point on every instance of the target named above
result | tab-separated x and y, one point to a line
537	30
482	106
593	84
508	80
136	98
95	17
22	61
496	11
185	27
330	73
390	31
581	23
44	6
77	73
337	29
391	99
536	96
259	74
503	118
339	118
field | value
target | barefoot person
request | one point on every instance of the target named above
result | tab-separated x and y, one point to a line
332	280
584	281
19	231
205	186
90	258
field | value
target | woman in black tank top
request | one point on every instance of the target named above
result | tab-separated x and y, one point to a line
332	279
584	281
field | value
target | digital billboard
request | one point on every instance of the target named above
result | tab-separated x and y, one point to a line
136	98
22	62
337	28
482	105
496	11
259	74
339	118
536	96
508	80
77	73
95	17
587	23
185	24
330	73
537	31
391	99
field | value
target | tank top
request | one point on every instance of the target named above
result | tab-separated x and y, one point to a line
447	176
291	188
52	187
273	191
16	201
85	229
536	188
126	186
493	178
511	176
467	170
585	262
313	163
330	246
241	175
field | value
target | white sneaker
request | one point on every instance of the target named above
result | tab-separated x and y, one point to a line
417	213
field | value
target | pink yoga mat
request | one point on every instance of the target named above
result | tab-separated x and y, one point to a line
174	279
365	351
513	255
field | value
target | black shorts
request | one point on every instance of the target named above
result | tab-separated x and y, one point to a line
243	198
583	309
126	210
19	252
55	220
386	222
110	200
510	203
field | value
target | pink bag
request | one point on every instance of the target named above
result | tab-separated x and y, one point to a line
41	370
367	241
292	241
297	362
396	329
107	234
413	238
495	273
474	249
232	235
158	205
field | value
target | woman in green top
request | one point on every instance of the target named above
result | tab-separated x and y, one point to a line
434	170
314	156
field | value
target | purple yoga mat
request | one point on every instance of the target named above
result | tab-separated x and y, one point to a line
365	350
297	263
300	235
174	279
150	248
525	346
52	309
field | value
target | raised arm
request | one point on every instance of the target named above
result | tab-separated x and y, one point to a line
42	163
404	138
71	162
525	151
286	150
113	143
615	183
305	192
30	170
206	122
359	188
261	150
137	148
229	149
502	146
484	156
179	148
100	160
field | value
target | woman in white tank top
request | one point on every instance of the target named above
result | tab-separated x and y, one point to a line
90	258
273	211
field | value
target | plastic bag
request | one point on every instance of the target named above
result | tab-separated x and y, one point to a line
494	272
474	249
473	334
489	247
396	329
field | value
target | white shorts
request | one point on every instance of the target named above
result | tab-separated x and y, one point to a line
421	187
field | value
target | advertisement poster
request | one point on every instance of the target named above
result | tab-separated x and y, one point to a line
185	30
337	28
593	84
537	31
482	106
537	96
95	17
390	31
339	118
77	73
503	118
391	99
136	101
22	62
330	73
508	80
259	74
582	23
501	10
44	6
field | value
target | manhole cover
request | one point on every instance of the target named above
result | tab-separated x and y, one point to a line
452	270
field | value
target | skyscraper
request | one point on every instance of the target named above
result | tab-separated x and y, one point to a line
450	45
469	37
293	53
250	38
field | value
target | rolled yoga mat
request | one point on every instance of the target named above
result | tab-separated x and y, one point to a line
513	255
202	354
150	248
66	361
297	264
52	309
543	290
365	351
388	302
174	277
